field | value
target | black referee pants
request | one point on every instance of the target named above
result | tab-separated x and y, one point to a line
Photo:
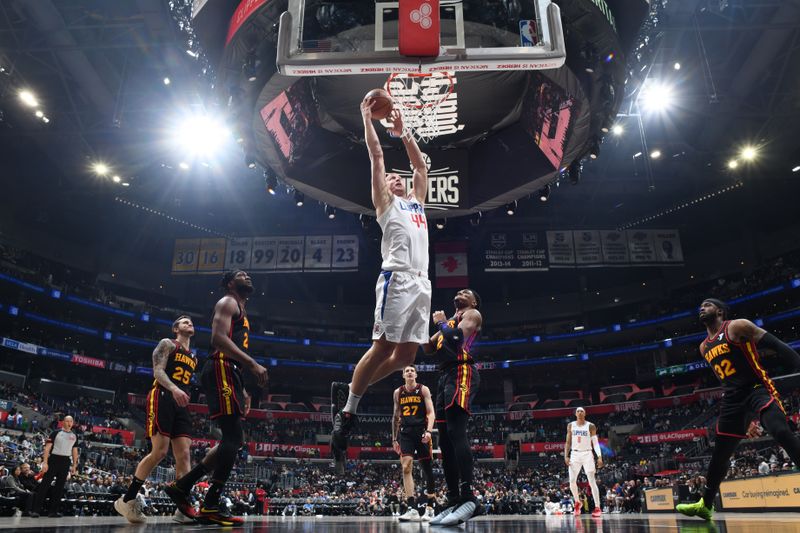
57	468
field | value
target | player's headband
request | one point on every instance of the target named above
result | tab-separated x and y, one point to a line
720	305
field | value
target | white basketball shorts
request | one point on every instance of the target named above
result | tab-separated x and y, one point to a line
402	307
578	460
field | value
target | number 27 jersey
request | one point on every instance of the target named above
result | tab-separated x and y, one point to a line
404	245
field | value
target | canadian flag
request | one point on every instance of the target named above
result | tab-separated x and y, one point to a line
451	265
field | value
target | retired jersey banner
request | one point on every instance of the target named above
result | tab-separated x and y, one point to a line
515	252
300	253
451	265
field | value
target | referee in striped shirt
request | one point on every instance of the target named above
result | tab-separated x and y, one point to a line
61	446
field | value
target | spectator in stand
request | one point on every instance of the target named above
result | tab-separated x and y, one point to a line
11	485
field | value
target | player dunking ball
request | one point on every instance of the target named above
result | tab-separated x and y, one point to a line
730	350
168	420
227	399
412	424
581	442
457	386
403	292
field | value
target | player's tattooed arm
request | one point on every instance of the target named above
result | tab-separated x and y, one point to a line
160	356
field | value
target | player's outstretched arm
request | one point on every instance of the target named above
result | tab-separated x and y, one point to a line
381	196
743	329
420	178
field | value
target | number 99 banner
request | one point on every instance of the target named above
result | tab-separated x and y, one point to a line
316	253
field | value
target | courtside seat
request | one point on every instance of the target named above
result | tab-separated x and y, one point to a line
296	407
271	406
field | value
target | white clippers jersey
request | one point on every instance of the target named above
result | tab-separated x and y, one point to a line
581	438
404	246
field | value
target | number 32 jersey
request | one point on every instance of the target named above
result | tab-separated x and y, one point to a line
736	365
404	245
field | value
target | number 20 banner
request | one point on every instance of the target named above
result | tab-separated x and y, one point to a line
312	253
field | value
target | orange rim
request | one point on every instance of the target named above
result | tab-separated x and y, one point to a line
421	75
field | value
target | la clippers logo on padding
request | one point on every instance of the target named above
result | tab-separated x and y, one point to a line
422	16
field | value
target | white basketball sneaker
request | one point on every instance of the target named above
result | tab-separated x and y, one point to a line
181	518
429	514
132	510
412	515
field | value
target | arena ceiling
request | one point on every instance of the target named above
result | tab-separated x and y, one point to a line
97	69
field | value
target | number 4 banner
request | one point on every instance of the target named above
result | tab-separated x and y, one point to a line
318	253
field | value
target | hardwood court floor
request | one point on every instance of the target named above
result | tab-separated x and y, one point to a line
611	523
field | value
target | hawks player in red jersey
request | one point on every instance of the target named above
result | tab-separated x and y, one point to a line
168	420
748	392
228	402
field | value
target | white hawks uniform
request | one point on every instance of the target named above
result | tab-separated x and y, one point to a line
581	454
403	291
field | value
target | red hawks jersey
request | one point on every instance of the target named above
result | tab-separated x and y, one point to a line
413	412
736	365
181	364
239	333
404	245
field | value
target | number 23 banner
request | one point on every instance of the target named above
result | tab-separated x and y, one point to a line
313	253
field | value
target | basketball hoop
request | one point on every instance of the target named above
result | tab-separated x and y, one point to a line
418	95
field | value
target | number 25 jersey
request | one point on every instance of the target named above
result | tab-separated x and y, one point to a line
736	365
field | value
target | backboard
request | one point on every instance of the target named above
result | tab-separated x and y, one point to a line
318	38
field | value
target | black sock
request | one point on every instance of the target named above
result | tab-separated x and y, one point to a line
724	447
193	476
133	490
411	502
431	501
466	491
213	494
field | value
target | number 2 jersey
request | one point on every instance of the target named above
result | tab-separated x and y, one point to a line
736	365
404	245
181	365
239	333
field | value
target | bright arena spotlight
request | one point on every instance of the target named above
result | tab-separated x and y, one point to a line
749	153
28	98
656	97
200	134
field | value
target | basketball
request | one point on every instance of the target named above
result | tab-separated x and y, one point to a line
383	103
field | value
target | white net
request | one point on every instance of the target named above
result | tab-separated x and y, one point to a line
419	98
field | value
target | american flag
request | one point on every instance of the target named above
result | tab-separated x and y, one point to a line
316	45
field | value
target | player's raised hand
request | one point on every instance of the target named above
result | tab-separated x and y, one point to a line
396	129
366	108
439	316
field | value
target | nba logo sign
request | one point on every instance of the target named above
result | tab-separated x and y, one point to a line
528	34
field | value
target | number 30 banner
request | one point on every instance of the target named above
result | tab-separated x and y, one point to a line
314	253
